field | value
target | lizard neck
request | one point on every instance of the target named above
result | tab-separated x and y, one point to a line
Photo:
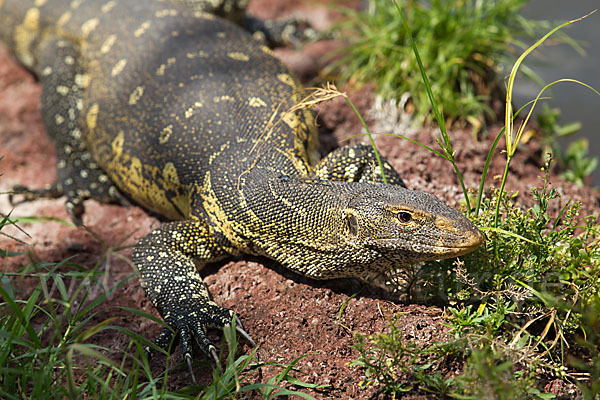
298	221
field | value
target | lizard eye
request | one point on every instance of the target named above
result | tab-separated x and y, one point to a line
352	224
404	217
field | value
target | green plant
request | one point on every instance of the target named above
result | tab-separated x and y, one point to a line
537	267
576	163
515	308
389	360
50	345
463	46
588	338
551	131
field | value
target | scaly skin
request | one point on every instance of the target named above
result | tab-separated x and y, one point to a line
188	116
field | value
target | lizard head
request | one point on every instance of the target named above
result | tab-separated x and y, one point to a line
407	226
330	229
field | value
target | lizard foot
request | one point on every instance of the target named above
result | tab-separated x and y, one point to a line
188	323
28	194
74	202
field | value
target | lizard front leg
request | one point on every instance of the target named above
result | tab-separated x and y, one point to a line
169	276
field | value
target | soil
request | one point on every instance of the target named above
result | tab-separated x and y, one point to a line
288	315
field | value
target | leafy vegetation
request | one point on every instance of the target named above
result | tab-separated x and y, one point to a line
48	345
463	46
518	307
575	163
522	310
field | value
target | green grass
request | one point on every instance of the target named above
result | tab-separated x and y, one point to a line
523	309
463	45
574	163
48	347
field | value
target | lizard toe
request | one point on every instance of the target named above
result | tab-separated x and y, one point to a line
242	332
191	323
28	194
165	338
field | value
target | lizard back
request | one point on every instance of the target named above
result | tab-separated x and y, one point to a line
168	95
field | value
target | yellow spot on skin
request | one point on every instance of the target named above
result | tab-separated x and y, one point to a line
82	80
62	90
256	102
150	186
267	50
445	225
119	67
287	79
142	29
64	18
108	6
165	13
170	173
223	98
88	26
38	3
350	170
190	111
165	134
25	34
91	116
201	54
221	35
108	43
76	3
160	71
117	144
32	19
236	55
136	95
59	119
291	120
203	15
47	71
69	60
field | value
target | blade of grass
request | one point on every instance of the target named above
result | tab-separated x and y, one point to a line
447	147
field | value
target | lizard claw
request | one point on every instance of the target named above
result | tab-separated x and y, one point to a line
240	330
188	361
192	324
214	356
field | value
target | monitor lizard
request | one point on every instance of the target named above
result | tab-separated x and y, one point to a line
185	114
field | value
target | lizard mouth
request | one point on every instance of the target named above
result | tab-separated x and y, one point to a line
466	243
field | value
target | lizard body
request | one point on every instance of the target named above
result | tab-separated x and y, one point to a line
187	115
